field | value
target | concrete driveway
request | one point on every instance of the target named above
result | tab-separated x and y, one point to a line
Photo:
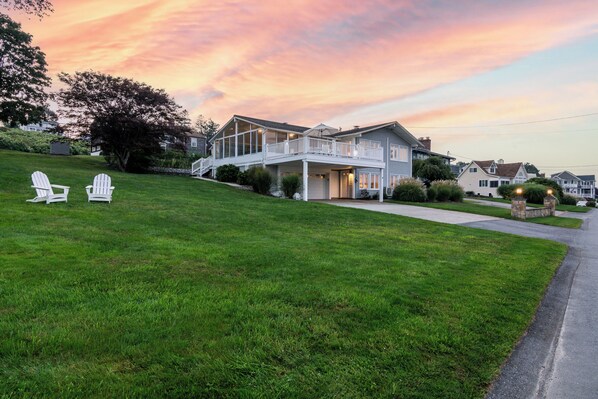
418	212
558	355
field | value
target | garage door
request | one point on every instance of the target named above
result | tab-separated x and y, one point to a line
317	186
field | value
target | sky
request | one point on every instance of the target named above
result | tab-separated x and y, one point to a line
471	75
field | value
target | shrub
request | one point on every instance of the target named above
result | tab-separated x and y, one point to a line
470	193
261	179
457	193
364	194
591	204
290	185
506	190
568	200
174	159
443	193
432	193
534	193
409	190
447	190
557	190
227	173
38	142
243	178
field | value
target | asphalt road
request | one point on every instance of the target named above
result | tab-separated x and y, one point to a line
558	356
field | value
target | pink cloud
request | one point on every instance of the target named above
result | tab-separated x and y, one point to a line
304	61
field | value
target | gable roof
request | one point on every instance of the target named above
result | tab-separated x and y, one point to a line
282	126
587	177
432	153
484	164
564	175
361	130
395	126
508	169
502	169
272	124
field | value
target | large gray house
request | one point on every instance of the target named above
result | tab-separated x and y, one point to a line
332	163
576	185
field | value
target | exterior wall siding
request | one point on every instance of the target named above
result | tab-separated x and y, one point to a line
386	137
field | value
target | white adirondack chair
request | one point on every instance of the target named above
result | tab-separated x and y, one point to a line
44	189
101	190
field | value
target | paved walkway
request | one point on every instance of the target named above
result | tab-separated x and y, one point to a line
418	212
558	355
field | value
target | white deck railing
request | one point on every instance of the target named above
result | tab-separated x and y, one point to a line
310	145
201	166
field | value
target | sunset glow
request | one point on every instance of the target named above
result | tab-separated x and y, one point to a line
425	64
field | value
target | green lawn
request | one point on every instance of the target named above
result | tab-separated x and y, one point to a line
564	208
495	211
184	288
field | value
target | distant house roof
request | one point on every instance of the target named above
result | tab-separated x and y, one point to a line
484	164
502	169
394	126
508	169
564	175
273	125
587	177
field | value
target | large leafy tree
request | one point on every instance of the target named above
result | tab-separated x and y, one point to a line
35	7
23	76
432	169
129	119
206	127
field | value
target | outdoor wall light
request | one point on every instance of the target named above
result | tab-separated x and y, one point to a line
519	191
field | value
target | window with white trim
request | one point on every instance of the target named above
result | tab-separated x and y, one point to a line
364	181
403	153
394	152
369	181
194	142
374	181
483	183
473	170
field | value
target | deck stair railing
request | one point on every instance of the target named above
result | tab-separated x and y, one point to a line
201	166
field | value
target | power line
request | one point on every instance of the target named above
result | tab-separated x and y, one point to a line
504	124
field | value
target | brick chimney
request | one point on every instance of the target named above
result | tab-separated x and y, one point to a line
427	142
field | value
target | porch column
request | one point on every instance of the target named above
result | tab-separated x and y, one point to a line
305	144
305	177
381	195
236	136
264	147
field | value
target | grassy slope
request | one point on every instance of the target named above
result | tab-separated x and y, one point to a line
564	208
188	288
495	211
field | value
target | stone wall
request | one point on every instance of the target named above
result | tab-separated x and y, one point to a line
519	208
169	171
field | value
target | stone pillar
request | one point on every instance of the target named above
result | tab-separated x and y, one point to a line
518	206
550	204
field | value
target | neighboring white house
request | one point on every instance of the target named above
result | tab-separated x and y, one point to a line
332	163
484	177
43	126
576	185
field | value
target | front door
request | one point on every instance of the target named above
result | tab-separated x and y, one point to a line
346	183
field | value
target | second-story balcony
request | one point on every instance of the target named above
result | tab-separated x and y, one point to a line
323	149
